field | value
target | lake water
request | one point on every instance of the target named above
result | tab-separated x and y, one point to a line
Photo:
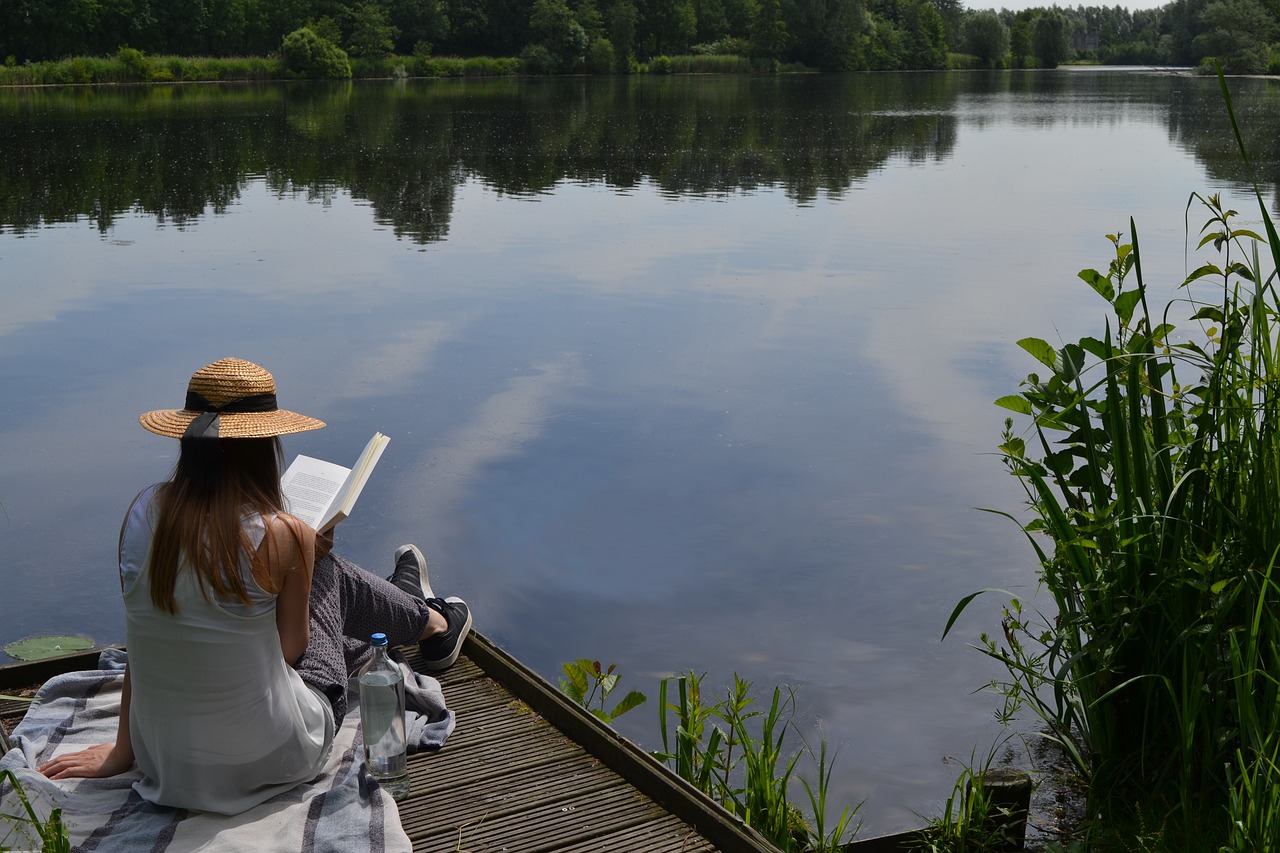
680	373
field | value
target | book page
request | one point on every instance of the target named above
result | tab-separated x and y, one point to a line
345	500
310	486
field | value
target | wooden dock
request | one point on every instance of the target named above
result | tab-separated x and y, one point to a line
527	770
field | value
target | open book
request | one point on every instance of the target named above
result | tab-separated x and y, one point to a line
322	493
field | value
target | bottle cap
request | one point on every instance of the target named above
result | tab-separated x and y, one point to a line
378	639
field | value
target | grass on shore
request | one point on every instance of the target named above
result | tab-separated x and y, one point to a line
1151	472
132	66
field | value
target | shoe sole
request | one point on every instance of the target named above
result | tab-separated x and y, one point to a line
423	580
445	663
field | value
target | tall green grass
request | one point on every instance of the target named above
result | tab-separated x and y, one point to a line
133	66
27	828
972	818
711	64
1152	471
434	66
737	754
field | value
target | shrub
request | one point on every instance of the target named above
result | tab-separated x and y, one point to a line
660	65
727	46
600	57
536	59
474	66
306	54
710	64
134	60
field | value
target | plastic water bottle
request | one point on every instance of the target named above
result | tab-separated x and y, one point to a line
382	720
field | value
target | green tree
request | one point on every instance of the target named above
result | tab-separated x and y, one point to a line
468	27
588	16
1021	49
826	33
1237	32
1183	24
672	25
769	37
553	27
1051	39
741	15
952	12
306	54
371	33
986	37
418	21
885	45
182	27
620	21
712	21
926	36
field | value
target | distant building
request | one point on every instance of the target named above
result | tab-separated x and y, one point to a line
1084	42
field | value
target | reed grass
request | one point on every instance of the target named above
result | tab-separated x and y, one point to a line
27	827
1152	471
970	819
738	756
711	64
434	66
132	66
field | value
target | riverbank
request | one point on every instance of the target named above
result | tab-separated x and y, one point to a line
130	66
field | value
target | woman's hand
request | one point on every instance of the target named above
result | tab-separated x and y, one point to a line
92	763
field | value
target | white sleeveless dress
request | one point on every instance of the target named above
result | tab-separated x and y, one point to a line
219	721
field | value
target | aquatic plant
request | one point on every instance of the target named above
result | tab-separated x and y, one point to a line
589	684
50	832
736	755
1152	470
971	821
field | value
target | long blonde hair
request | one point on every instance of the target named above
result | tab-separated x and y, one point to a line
199	518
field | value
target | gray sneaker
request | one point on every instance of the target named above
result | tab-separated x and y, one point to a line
439	651
411	572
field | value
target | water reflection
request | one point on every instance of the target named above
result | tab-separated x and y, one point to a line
678	372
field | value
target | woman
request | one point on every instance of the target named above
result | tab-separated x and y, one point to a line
241	626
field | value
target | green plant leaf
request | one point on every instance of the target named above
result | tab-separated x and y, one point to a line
1094	347
1015	403
1100	283
608	682
1202	272
1071	362
631	700
575	685
38	648
1041	350
1125	303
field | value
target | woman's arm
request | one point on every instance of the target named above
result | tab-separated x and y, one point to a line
105	759
289	551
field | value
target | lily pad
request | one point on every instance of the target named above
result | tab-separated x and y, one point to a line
38	648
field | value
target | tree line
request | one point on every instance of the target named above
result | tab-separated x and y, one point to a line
1240	34
182	153
604	36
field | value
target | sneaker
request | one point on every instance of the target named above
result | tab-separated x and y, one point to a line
439	651
411	572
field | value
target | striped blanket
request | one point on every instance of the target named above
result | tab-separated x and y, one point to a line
341	811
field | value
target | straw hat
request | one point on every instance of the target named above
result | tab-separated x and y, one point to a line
243	397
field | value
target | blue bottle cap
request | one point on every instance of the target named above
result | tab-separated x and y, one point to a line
378	639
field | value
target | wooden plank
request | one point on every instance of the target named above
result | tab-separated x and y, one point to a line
526	769
645	773
26	673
